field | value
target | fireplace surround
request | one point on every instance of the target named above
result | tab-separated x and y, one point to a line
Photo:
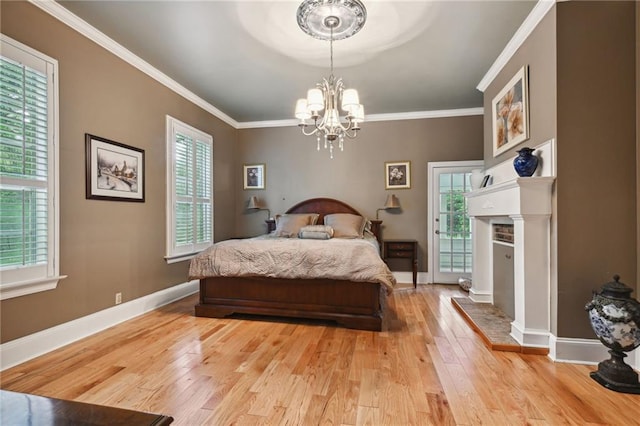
527	203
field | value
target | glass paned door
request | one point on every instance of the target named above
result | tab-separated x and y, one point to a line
451	227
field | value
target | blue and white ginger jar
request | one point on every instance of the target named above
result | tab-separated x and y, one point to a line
615	316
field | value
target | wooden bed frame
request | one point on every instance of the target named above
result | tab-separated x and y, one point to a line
350	304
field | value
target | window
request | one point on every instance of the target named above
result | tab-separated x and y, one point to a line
29	245
189	191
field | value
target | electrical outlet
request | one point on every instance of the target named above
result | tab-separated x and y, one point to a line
118	298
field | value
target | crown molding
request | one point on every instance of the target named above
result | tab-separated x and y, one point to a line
93	34
268	123
417	115
538	12
374	117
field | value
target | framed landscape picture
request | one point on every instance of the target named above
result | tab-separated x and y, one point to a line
398	174
254	177
510	109
114	171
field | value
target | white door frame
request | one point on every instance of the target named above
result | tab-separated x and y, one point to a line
431	166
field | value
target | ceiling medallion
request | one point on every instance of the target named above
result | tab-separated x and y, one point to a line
331	20
350	14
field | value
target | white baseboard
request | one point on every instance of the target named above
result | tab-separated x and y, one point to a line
585	351
530	337
28	347
407	277
480	297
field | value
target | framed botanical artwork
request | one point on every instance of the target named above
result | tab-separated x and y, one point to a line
114	171
254	177
510	113
398	174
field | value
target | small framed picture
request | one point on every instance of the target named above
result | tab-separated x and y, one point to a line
398	174
114	171
254	176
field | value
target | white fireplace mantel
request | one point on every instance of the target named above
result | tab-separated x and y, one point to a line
523	195
526	201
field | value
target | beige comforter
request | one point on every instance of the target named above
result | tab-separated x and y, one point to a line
340	259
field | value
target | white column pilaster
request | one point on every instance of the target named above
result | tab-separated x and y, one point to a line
531	279
482	276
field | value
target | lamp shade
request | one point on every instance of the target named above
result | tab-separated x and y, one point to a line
392	202
350	99
357	112
302	112
315	100
253	203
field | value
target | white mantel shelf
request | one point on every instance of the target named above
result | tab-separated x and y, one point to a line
522	195
526	201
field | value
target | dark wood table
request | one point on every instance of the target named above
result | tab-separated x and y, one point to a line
18	409
403	249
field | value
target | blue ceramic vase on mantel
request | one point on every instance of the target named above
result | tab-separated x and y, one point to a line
525	163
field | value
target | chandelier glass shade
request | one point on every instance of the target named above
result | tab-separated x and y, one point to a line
329	20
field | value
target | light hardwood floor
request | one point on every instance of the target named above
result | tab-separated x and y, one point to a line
426	367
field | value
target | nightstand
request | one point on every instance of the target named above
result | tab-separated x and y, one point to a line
271	225
403	249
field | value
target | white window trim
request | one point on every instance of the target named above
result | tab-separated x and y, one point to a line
173	256
21	287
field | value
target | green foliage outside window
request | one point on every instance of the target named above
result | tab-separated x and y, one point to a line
456	202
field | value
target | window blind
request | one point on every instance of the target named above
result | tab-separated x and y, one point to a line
190	190
203	193
24	171
184	219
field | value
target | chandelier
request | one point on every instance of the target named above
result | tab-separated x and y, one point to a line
331	20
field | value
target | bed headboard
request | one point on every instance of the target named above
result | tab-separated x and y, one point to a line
322	206
325	206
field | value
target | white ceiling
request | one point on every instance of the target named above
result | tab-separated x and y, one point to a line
250	60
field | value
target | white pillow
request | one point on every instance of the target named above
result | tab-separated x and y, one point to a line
316	232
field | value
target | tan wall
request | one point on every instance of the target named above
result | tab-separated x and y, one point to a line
581	61
596	154
538	52
106	246
296	171
637	147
